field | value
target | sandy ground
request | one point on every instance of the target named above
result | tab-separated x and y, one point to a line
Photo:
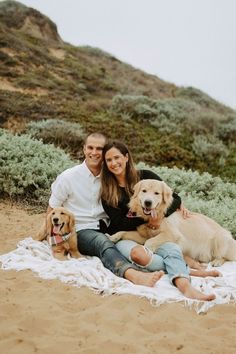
40	316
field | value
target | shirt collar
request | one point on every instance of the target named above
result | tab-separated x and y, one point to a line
87	170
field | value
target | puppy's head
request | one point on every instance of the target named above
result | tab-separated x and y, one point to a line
151	197
60	221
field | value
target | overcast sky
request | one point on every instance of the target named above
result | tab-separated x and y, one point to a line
186	42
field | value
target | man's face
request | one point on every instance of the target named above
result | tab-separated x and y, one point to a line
93	152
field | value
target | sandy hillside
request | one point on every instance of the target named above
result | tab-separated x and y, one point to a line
39	316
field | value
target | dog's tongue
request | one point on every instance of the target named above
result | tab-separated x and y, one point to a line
153	213
56	229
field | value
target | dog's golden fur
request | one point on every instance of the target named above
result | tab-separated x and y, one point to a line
65	222
199	237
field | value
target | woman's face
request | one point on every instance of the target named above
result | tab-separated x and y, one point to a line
116	161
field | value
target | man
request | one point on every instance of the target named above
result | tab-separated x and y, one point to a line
77	189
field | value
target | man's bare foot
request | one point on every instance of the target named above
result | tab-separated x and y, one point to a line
187	290
205	273
142	278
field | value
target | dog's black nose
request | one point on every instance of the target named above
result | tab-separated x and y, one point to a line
148	203
55	220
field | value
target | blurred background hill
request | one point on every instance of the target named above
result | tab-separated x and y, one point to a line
58	92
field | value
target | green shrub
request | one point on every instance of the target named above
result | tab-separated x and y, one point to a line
133	105
204	122
227	129
28	167
172	114
209	148
67	135
201	98
202	193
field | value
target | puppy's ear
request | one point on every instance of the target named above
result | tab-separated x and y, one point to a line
48	224
71	222
166	194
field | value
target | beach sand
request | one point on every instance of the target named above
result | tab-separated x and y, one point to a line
47	316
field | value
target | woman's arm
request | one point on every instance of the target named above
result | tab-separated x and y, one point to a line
119	221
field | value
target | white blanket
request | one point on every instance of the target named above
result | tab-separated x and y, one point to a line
90	272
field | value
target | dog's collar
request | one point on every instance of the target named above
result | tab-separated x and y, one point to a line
56	239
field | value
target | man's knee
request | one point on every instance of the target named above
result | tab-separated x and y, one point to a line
102	243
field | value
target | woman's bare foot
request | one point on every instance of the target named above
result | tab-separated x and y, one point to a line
187	290
142	278
205	273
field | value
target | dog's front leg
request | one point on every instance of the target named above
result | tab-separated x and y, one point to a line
42	234
127	235
117	236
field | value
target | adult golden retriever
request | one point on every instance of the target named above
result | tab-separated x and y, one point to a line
59	230
199	237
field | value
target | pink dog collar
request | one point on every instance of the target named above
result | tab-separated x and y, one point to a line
56	239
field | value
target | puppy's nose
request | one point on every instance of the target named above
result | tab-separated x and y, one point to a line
148	203
55	220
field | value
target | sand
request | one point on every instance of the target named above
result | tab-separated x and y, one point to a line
47	316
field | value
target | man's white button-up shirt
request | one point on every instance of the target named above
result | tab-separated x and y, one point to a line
77	190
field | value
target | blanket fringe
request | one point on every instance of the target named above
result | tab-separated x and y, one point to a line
90	272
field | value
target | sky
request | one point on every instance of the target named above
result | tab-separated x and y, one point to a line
185	42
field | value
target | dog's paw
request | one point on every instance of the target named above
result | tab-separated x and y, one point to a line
217	262
116	237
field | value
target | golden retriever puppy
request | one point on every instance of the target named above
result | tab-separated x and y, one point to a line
59	231
199	237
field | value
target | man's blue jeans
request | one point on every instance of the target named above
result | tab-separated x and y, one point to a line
95	243
167	257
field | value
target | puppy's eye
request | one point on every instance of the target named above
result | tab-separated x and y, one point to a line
62	213
144	191
53	213
157	193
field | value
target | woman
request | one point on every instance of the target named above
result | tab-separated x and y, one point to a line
118	178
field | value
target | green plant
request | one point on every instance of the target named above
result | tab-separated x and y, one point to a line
69	136
28	167
209	148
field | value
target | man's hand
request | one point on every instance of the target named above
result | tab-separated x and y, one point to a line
184	211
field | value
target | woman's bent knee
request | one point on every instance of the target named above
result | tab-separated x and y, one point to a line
139	256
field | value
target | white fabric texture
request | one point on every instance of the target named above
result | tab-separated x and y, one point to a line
90	272
77	190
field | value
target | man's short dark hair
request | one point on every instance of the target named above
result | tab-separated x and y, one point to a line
95	135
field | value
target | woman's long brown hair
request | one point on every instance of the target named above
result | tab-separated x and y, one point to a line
110	191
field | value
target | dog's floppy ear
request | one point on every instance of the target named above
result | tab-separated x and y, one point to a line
166	194
133	205
137	188
71	222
